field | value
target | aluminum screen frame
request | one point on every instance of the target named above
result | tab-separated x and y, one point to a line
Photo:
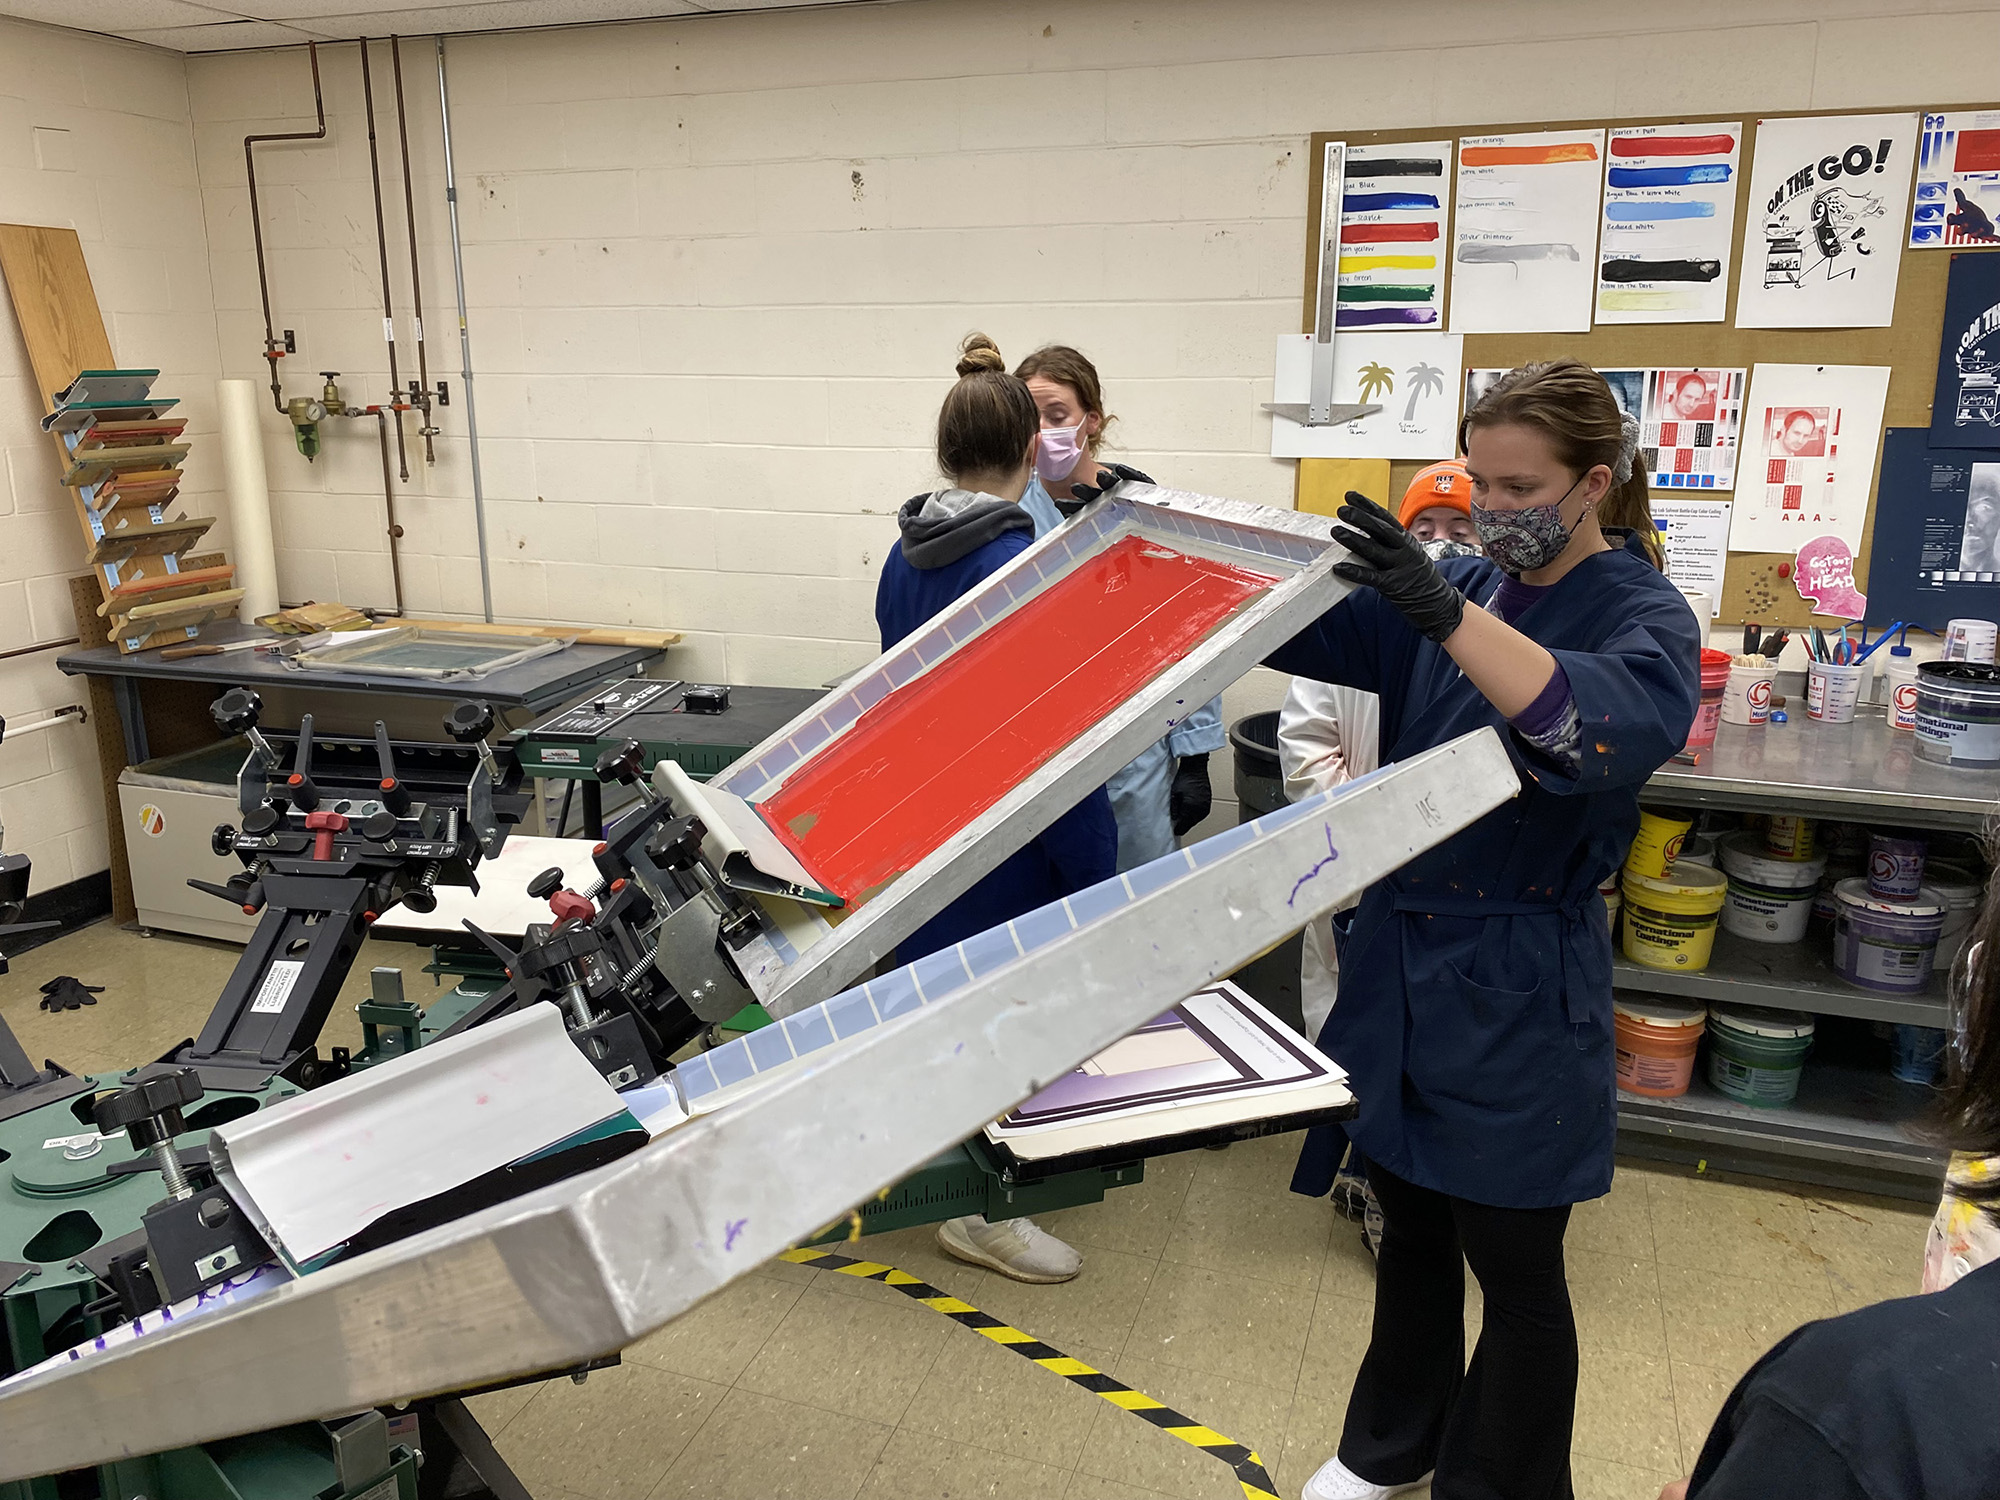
801	958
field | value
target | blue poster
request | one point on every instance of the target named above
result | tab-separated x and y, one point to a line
1936	553
1965	408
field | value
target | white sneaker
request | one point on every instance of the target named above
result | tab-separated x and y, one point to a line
1014	1247
1335	1481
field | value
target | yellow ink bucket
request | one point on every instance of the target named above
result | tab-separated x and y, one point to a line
1656	845
1670	919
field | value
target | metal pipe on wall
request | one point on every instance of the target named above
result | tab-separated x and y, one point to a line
427	429
395	401
389	505
272	352
464	340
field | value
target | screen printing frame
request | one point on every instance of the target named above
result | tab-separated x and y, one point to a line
800	958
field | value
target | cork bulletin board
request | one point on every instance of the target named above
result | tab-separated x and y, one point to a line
1752	587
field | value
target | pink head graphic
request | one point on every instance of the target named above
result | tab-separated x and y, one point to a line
1825	577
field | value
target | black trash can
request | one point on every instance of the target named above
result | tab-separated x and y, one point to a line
1260	788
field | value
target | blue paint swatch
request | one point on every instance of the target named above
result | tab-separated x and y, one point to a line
1645	213
1368	203
1638	177
1377	317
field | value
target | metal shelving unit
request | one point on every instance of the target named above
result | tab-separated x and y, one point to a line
1846	1127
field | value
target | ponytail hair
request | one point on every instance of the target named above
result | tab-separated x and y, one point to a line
1568	403
988	418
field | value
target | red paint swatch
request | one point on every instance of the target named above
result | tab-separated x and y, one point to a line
940	750
1671	145
1381	234
1527	156
1977	151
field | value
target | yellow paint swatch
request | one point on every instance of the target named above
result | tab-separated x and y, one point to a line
1324	482
1633	299
1349	264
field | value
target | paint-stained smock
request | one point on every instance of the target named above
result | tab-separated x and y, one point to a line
1475	985
952	541
1141	792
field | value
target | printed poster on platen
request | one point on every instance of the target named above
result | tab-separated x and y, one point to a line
1965	402
1524	256
1669	214
1828	200
1395	218
1414	377
1809	436
1689	428
1958	181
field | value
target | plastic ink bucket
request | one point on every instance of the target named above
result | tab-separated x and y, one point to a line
1788	836
1958	714
1670	919
1770	900
1657	844
1755	1055
1714	678
1656	1043
1895	866
1919	1054
1963	891
1698	849
1885	946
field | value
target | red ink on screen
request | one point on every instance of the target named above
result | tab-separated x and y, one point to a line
935	754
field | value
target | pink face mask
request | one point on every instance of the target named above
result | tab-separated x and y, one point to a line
1057	454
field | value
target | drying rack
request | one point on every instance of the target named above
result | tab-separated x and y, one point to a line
121	451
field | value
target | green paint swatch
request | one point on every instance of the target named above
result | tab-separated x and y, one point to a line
1385	293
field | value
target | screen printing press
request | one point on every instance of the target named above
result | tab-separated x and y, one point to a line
276	1251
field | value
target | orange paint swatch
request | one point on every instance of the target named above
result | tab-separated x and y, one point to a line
1527	156
939	751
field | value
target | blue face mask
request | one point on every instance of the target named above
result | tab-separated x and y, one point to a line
1523	540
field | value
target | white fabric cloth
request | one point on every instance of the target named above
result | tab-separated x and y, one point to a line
1326	735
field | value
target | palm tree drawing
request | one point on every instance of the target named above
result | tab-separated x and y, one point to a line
1424	380
1375	379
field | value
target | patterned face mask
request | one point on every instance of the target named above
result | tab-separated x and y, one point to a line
1523	540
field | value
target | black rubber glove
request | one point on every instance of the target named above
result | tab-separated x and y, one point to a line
1190	797
1393	563
1085	493
65	993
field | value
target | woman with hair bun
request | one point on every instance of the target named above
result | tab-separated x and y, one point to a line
952	540
1475	1002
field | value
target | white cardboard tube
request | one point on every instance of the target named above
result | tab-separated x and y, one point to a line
249	498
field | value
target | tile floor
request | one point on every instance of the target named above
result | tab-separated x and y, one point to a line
1208	1286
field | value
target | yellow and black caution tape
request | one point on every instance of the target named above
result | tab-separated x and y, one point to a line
1243	1462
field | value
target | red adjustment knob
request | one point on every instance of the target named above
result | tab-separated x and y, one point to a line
324	826
567	904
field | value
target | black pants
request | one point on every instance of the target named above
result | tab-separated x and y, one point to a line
1501	1429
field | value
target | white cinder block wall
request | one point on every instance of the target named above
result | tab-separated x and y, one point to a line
717	266
94	136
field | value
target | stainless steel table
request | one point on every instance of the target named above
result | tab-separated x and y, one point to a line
533	686
1862	772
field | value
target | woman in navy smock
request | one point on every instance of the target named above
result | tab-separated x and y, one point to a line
1475	997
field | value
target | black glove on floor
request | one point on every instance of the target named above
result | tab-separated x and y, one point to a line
1393	563
1190	797
1119	473
65	993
